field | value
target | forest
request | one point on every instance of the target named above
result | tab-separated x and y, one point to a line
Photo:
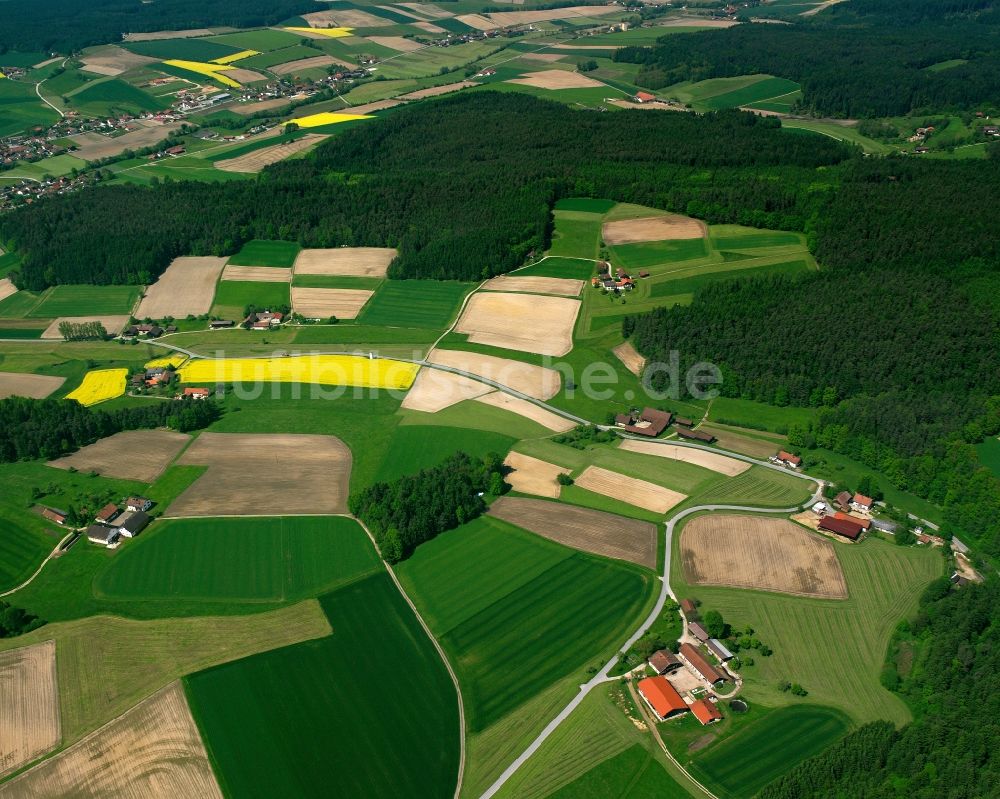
67	25
404	513
426	179
31	428
16	621
950	677
888	58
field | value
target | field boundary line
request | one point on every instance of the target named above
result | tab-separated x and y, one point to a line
41	565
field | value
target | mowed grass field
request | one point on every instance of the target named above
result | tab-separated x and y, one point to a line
415	303
368	711
233	296
577	234
740	765
86	301
260	252
20	108
632	774
416	447
274	559
834	648
517	613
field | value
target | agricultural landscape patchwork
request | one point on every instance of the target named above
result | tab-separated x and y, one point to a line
458	400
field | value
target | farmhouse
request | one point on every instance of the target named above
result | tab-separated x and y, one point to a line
53	515
689	608
106	536
787	459
219	324
149	331
706	712
662	698
861	503
107	513
134	524
664	662
197	393
865	523
843	500
848	528
698	631
649	423
644	97
698	662
696	435
263	320
719	650
138	504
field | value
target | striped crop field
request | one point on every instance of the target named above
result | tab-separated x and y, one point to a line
327	370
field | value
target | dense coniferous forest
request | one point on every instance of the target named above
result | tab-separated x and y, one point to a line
952	748
888	51
413	509
67	25
32	428
493	164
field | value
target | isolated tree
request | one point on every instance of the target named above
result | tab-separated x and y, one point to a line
714	624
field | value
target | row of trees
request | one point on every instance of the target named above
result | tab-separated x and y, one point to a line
82	331
31	428
404	513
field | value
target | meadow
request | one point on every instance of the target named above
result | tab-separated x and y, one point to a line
577	234
264	40
274	559
86	301
989	454
754	94
105	97
260	252
416	447
196	49
284	55
632	774
480	587
367	711
20	108
233	296
415	303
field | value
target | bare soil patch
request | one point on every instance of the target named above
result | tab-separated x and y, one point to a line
345	261
94	146
370	108
430	27
323	303
556	79
262	474
745	445
582	528
434	91
548	58
154	751
763	553
528	410
708	460
345	18
535	381
292	67
188	33
399	43
533	475
653	228
640	493
113	60
427	9
404	11
130	455
187	287
257	274
7	288
253	108
22	384
525	322
501	19
258	159
29	704
627	354
478	21
434	390
244	76
564	287
113	324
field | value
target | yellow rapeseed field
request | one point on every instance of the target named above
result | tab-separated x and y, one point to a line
167	360
326	118
333	33
328	370
229	59
100	385
210	70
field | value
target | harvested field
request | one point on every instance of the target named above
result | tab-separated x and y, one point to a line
646	106
548	58
345	261
256	160
525	322
562	286
324	303
533	475
434	390
152	751
653	228
762	448
345	18
94	146
478	21
434	91
535	381
22	384
556	79
7	289
594	47
636	492
257	274
308	473
708	460
291	67
528	410
130	455
399	43
763	553
264	105
405	12
187	287
633	361
378	105
244	76
113	60
188	33
582	528
429	27
113	324
427	9
29	704
502	19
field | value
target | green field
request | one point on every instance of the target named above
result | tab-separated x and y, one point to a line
275	559
415	303
742	764
754	94
585	204
577	234
368	711
416	447
86	301
758	415
265	253
269	59
184	49
232	296
750	267
483	586
644	255
558	266
839	132
109	96
733	237
264	40
20	108
632	774
431	60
